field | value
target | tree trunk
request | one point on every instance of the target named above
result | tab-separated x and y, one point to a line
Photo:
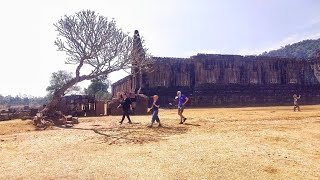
140	78
52	111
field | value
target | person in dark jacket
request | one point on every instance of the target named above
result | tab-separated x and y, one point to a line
126	105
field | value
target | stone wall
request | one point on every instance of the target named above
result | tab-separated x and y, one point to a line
123	85
230	80
139	105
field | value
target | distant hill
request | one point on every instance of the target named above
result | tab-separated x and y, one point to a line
302	49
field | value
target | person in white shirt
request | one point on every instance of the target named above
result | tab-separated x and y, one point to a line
295	102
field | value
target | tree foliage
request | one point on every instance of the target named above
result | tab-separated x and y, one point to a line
303	49
99	88
58	80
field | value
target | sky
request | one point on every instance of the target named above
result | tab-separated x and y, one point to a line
171	28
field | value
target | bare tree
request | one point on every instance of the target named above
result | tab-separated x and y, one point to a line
93	42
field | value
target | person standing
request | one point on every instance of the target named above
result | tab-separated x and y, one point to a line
126	105
295	102
182	100
155	111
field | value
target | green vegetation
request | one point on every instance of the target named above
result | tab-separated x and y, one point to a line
302	49
58	80
22	100
99	88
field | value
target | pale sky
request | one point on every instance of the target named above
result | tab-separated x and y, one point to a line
171	28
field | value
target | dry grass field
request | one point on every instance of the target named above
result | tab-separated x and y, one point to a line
217	143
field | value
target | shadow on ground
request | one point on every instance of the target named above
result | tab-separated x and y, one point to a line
191	124
133	134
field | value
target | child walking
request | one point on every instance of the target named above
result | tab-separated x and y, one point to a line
155	110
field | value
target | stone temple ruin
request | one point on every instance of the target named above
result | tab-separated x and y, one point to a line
228	80
72	105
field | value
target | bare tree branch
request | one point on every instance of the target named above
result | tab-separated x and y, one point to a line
95	42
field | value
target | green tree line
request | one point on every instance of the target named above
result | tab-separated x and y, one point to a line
98	87
22	100
302	49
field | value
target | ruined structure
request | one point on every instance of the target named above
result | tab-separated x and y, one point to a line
228	80
139	104
82	105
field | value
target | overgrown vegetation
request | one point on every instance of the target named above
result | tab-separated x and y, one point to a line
302	49
99	88
22	100
58	80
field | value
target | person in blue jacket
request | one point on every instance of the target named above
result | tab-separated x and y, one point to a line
182	100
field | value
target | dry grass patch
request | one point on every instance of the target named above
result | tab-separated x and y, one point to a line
215	143
15	126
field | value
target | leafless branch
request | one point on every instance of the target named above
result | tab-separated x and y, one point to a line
94	41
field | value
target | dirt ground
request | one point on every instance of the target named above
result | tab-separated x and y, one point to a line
217	143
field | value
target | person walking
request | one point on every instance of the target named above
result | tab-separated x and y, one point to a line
182	100
155	111
126	105
295	102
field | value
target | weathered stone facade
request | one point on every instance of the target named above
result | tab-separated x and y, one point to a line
226	80
229	80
